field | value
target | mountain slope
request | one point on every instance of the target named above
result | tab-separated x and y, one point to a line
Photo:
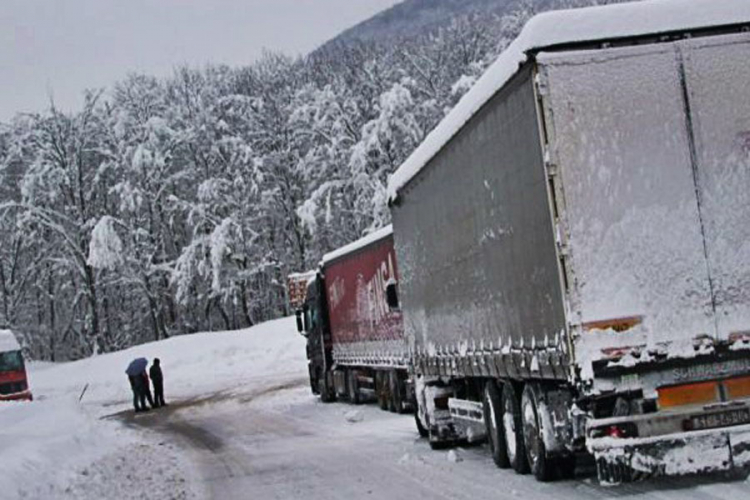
413	17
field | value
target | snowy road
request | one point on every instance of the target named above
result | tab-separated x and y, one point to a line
277	441
242	424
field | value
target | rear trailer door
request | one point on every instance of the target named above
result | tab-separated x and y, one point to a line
630	228
717	76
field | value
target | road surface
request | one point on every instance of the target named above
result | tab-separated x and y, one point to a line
277	441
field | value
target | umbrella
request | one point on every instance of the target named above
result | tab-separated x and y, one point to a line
136	367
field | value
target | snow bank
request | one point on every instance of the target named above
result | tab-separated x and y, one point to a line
564	27
193	365
359	244
47	440
8	341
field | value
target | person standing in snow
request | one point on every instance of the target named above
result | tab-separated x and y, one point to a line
139	387
158	380
134	388
147	389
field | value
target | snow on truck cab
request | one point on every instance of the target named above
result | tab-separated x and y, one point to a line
354	328
14	384
575	248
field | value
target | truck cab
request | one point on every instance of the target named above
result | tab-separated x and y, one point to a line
14	384
312	322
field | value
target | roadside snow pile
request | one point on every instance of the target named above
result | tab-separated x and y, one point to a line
193	365
454	457
58	447
34	436
354	416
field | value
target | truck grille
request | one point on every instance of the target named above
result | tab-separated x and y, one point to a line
12	388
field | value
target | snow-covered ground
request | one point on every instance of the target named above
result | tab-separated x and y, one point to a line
58	447
241	423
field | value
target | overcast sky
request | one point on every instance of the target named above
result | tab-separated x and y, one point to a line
60	47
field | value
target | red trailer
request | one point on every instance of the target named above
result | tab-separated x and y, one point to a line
354	325
14	384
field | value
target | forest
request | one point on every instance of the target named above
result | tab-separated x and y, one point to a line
167	206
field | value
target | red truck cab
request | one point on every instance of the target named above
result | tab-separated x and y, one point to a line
14	385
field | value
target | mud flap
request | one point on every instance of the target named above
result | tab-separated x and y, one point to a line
642	459
740	447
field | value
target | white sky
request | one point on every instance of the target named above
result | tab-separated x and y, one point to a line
60	47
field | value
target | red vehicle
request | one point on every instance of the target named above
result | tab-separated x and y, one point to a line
354	327
14	384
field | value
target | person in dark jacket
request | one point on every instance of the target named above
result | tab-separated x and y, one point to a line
158	380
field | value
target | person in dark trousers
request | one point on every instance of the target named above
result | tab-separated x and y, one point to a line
158	380
147	389
138	385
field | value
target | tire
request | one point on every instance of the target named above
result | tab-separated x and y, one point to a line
493	419
352	386
566	467
324	389
396	402
513	429
423	431
381	386
540	465
314	381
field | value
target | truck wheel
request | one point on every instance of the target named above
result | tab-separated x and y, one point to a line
352	386
396	402
423	431
566	467
324	389
314	382
381	386
493	419
513	430
541	466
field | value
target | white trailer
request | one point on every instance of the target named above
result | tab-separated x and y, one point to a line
574	243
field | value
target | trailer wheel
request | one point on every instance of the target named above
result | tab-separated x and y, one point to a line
418	397
566	467
513	430
493	419
423	431
541	466
381	387
396	402
352	386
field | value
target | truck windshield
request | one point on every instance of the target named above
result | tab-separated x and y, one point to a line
10	361
312	317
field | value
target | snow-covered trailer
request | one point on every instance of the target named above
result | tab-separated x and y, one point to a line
354	325
574	246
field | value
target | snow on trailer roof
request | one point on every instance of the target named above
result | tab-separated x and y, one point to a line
555	28
8	341
359	244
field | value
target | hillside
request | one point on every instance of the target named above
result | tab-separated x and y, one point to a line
414	17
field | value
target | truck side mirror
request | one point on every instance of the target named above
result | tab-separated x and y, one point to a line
300	322
391	295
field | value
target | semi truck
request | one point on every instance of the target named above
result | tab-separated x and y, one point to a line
354	328
14	385
573	243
